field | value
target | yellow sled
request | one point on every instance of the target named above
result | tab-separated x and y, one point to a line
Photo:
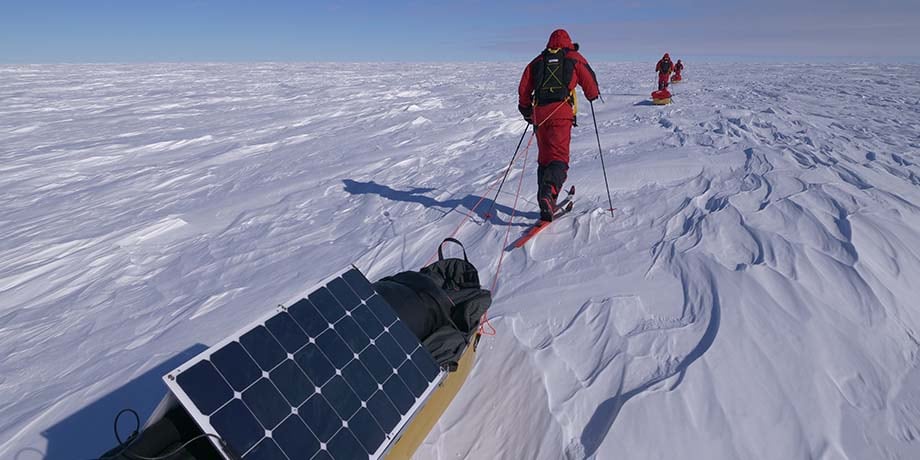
417	430
664	101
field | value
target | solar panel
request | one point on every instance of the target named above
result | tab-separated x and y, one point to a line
334	375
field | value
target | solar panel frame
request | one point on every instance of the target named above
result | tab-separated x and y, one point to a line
203	419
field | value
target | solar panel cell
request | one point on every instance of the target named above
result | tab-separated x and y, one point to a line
295	439
383	411
344	294
344	446
341	397
383	310
359	284
413	378
404	337
265	450
366	430
367	321
286	332
334	348
327	305
293	384
376	364
400	395
308	318
391	350
360	380
236	424
425	364
323	455
263	348
205	387
264	400
353	335
318	414
315	364
236	366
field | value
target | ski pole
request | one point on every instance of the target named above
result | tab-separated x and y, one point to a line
601	152
488	214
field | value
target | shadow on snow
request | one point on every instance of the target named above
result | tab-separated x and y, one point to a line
417	195
87	433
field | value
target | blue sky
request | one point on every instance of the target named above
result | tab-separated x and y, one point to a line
460	30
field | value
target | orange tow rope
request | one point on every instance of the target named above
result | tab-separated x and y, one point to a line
485	318
472	210
484	321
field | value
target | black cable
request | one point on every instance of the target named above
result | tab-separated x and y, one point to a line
125	445
175	451
137	425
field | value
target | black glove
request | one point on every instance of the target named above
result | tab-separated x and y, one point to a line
527	113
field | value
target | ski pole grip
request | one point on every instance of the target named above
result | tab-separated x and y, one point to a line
452	240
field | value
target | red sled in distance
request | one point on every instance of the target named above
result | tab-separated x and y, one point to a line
661	97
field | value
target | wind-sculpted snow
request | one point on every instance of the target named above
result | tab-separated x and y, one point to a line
753	295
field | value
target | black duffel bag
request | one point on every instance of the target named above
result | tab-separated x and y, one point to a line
441	304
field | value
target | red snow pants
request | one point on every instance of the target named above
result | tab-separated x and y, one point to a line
663	80
553	138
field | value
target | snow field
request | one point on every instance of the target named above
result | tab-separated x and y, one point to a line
752	297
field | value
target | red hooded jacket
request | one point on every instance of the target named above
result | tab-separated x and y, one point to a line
664	65
582	75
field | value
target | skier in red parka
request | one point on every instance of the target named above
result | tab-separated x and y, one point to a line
664	68
547	99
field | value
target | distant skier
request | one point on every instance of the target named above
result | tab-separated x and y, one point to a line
678	67
664	68
547	100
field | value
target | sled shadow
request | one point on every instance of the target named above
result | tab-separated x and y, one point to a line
643	103
88	433
606	413
417	195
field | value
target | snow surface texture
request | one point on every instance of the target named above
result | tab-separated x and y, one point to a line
751	298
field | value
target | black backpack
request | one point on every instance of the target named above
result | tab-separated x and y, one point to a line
552	76
665	66
460	281
441	304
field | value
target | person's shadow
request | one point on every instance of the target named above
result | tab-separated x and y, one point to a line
87	433
417	195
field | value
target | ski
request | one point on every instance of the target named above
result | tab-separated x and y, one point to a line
562	209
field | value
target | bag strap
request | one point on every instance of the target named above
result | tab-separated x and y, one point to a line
452	240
